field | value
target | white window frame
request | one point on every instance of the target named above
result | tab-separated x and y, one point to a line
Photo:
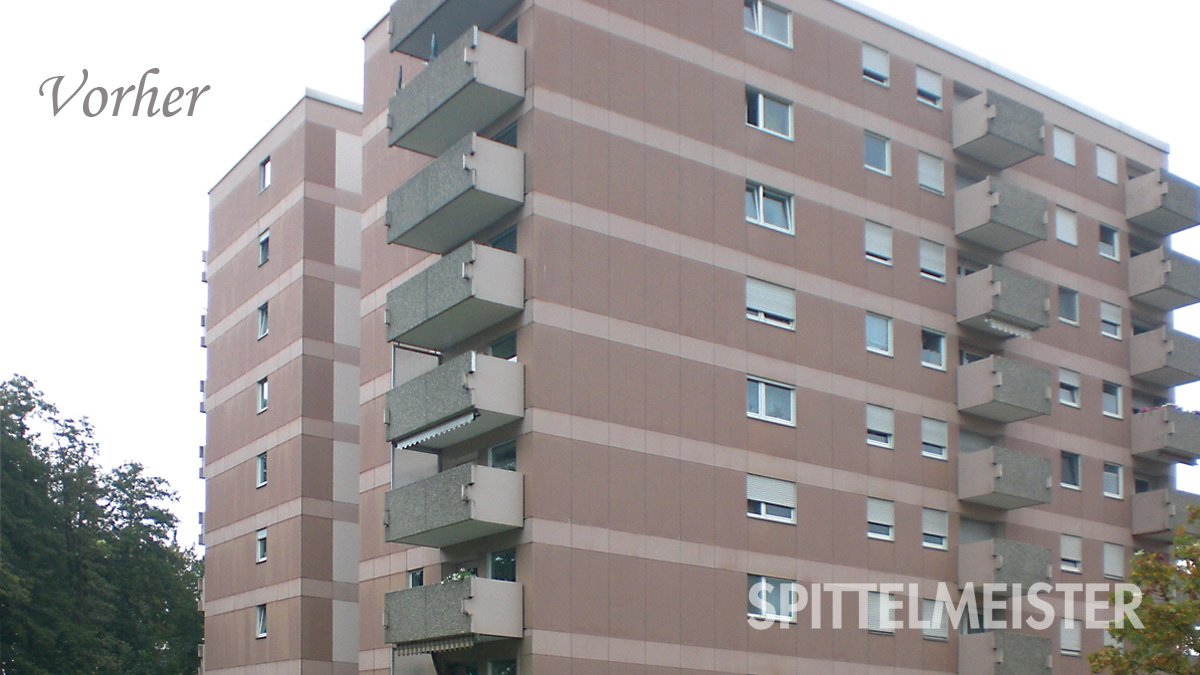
263	321
888	323
1070	550
761	192
260	546
1070	637
1107	166
784	587
1064	146
877	623
264	174
492	454
260	621
884	425
415	575
761	123
1110	320
932	259
936	619
1120	474
935	433
1116	242
883	234
931	173
876	65
762	400
264	247
941	364
771	298
1074	295
1068	386
926	94
263	394
1062	457
260	470
759	28
885	510
763	492
935	529
887	153
1114	561
1066	225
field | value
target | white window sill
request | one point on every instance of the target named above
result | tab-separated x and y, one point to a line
770	322
931	366
786	137
881	631
1110	182
258	485
933	190
772	420
769	617
1069	570
882	261
880	537
1113	416
1063	161
885	446
1068	243
1069	322
935	106
1109	495
933	638
879	352
1110	257
933	277
768	38
772	519
882	172
260	636
259	561
934	548
886	83
1069	404
1112	337
262	335
1069	486
769	226
942	457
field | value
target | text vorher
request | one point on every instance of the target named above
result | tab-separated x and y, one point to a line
96	100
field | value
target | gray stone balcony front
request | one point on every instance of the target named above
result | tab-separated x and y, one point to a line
456	196
1003	652
998	215
468	290
464	503
1164	279
471	84
1166	435
452	615
415	22
1162	202
1003	478
1165	357
1003	389
464	397
997	130
1004	562
1002	302
1157	513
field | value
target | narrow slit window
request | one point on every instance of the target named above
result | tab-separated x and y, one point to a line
1110	246
935	529
768	21
933	438
879	334
931	173
1066	224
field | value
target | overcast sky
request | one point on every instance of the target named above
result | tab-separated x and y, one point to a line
106	216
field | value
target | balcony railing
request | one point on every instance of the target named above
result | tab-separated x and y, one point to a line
452	615
1165	357
1003	652
454	506
1003	478
997	130
1157	513
470	85
1001	302
1004	562
415	22
1164	279
468	290
1162	202
457	195
1167	435
1003	389
999	216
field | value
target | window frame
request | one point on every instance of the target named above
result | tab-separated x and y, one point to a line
889	437
260	546
1070	628
940	435
887	320
929	272
1066	456
1119	395
415	578
940	631
884	78
887	153
260	621
1071	565
1100	165
1115	244
926	535
875	602
1074	295
891	527
760	21
761	192
499	446
1060	137
923	160
1120	474
933	100
763	383
762	315
263	395
1063	215
1116	326
264	174
1073	388
1109	573
264	247
867	252
263	320
761	124
761	513
941	365
503	340
260	469
782	585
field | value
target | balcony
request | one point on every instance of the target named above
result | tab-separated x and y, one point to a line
1003	653
457	195
452	615
1157	513
997	130
475	81
1003	389
1162	202
462	504
1167	435
1003	478
1000	216
415	22
468	290
1001	302
1165	357
1164	279
464	397
1004	562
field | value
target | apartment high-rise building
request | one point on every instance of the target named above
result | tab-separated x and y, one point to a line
610	413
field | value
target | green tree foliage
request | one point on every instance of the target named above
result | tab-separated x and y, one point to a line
91	579
1169	613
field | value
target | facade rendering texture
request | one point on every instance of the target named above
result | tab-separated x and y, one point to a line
605	321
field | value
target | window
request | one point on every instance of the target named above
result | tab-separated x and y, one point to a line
503	667
881	613
509	32
262	321
1106	164
933	349
1071	551
929	87
1064	146
770	303
264	247
506	240
416	578
260	470
260	546
877	153
260	621
875	64
768	113
767	20
1070	470
931	173
1109	244
879	334
769	401
933	260
769	208
1068	387
935	528
502	565
881	519
264	174
878	243
503	456
1114	561
769	597
966	356
770	498
1114	483
1070	637
1111	400
880	426
935	616
1065	226
1142	483
933	438
262	394
1110	320
1068	305
504	347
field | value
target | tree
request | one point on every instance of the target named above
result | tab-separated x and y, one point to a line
1169	613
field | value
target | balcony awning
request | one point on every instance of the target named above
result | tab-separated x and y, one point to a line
445	427
1006	328
438	645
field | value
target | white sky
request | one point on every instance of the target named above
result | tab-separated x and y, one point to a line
100	250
